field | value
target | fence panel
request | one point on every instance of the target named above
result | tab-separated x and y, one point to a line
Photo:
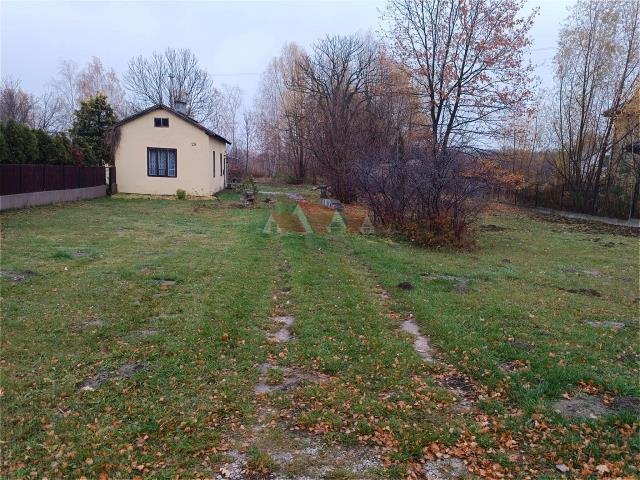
54	177
22	178
99	176
31	178
71	176
84	177
9	179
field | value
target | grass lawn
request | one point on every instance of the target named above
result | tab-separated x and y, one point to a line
135	333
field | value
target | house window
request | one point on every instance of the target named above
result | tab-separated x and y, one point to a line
162	162
160	122
221	169
214	164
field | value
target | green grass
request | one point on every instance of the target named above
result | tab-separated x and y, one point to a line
105	259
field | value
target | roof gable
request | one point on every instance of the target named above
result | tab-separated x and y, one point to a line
182	116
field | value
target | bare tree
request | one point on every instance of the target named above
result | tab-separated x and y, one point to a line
231	105
168	76
66	88
338	77
466	59
269	111
72	85
49	112
597	71
43	112
248	135
15	103
96	78
282	116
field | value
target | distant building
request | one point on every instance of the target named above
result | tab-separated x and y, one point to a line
161	150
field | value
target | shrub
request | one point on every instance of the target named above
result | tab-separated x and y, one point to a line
429	201
4	148
53	149
61	151
21	143
250	184
77	155
181	194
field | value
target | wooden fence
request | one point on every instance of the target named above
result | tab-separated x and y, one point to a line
19	178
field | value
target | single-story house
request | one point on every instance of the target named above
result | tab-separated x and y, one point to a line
161	149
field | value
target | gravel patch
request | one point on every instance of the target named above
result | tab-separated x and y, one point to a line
17	276
460	284
513	366
521	344
234	470
420	343
148	332
582	405
286	319
90	323
445	469
628	402
579	271
607	324
292	377
104	375
130	369
281	336
458	383
96	381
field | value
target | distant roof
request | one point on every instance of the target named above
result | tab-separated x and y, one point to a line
184	117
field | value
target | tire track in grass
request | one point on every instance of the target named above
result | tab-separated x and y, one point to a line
378	394
271	448
436	465
459	384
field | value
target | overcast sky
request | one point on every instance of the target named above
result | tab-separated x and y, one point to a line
234	41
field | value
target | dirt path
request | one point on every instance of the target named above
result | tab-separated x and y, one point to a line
273	448
632	223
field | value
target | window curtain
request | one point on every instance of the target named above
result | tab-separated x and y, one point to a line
171	163
153	162
162	163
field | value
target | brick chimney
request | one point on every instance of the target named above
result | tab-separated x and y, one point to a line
180	105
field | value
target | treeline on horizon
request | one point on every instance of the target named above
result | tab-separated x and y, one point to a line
424	123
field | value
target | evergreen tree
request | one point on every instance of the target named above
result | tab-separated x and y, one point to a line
20	143
91	122
4	148
53	149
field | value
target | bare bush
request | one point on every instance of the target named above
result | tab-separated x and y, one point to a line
429	200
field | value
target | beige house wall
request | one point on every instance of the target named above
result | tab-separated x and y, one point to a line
194	157
218	148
